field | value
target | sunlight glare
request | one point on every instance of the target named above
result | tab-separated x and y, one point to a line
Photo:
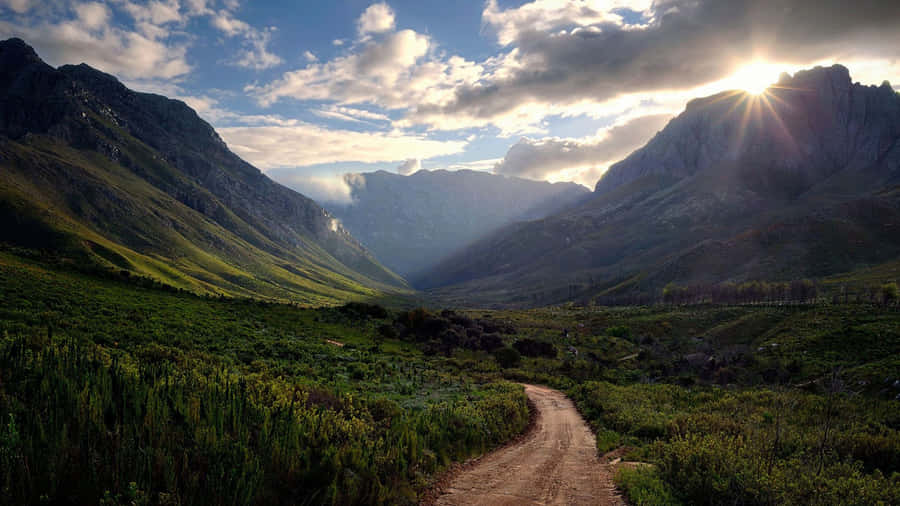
755	77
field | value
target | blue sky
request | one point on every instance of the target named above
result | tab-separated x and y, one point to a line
544	89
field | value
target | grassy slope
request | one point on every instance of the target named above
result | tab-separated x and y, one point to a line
152	234
227	400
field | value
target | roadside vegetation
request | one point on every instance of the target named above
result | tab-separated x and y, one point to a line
112	393
116	391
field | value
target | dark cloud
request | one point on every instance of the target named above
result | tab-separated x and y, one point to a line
686	43
538	159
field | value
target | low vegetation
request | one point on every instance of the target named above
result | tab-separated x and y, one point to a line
114	391
116	394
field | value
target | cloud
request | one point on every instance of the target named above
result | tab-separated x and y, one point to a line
152	48
255	53
334	189
410	166
18	6
224	22
583	160
351	114
301	144
310	56
198	7
566	52
390	72
548	15
155	12
130	55
93	15
486	165
377	18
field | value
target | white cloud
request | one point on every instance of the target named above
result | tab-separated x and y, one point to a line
410	166
130	55
94	15
566	54
549	15
338	42
479	165
335	189
256	54
377	18
230	25
310	56
155	12
371	75
19	6
301	144
351	114
581	160
392	73
199	7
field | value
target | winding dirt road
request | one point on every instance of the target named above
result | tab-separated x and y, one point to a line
555	464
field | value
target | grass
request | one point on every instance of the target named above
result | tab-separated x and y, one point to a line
205	399
119	220
749	404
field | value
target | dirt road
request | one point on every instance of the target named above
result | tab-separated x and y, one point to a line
556	464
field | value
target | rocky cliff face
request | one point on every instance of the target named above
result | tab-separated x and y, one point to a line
411	222
166	145
798	182
802	130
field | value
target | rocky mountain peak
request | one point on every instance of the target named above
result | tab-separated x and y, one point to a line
804	128
166	145
15	54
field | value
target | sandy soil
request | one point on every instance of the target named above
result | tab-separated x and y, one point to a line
555	464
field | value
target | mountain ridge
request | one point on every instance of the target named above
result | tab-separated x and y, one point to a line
77	144
816	155
411	222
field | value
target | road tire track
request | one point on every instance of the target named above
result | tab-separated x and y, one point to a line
555	464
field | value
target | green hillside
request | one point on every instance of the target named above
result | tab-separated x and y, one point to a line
107	178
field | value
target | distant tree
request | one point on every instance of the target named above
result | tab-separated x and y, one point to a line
386	331
533	348
890	293
507	357
620	331
490	342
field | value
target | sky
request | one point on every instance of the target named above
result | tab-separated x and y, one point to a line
553	90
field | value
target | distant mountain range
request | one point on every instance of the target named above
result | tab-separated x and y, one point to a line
412	222
802	181
98	174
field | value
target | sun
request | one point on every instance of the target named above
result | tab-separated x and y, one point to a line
755	78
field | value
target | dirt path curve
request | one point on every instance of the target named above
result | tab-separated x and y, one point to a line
555	464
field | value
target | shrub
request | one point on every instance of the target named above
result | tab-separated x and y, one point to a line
644	487
532	348
507	357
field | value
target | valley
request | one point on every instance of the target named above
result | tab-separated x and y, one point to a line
716	322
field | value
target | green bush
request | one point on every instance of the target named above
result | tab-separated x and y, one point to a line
644	487
507	357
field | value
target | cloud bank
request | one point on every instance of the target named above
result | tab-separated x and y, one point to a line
582	160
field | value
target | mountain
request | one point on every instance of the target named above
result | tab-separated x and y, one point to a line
412	222
135	182
802	181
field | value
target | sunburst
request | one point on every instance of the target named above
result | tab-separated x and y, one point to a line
755	78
